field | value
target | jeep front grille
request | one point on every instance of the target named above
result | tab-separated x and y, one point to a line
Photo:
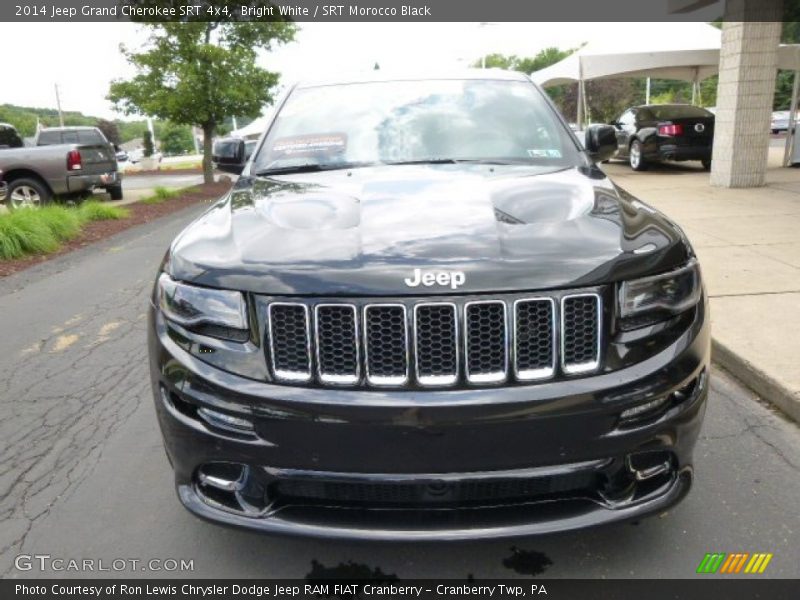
534	338
436	343
291	347
580	335
337	343
426	343
386	344
486	341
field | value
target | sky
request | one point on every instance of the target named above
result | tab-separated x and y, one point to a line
82	58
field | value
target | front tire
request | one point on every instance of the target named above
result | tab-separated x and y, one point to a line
27	193
636	157
706	164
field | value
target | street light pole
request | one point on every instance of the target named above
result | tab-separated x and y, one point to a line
482	36
58	103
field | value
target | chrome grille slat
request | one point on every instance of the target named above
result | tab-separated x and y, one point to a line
337	343
386	348
290	341
534	338
581	320
485	341
435	343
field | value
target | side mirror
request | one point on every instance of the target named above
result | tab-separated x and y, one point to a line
229	155
600	142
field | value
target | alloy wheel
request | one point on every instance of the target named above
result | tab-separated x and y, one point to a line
636	156
25	197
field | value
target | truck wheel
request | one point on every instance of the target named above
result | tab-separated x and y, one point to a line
635	157
706	164
27	193
115	191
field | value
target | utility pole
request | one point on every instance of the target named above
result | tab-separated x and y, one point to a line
58	103
152	131
482	40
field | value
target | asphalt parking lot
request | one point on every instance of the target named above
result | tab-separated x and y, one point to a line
83	473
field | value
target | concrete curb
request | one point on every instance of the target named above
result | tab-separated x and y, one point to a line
759	382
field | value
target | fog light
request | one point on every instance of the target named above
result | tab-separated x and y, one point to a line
223	421
644	408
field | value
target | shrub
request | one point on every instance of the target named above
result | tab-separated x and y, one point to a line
161	194
30	231
63	222
97	211
10	242
41	230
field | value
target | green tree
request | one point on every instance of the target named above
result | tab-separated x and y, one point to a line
176	139
790	34
148	144
544	58
110	130
200	73
130	130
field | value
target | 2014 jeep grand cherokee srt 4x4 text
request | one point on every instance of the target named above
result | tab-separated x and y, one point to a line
422	312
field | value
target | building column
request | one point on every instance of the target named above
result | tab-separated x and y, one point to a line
747	69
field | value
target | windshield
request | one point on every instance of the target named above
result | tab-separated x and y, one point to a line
416	121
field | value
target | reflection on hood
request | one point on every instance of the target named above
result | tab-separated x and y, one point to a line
363	231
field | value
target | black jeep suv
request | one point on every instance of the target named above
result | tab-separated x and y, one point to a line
422	312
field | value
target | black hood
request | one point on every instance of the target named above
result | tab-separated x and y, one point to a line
362	232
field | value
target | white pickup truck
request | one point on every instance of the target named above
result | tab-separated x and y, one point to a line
63	162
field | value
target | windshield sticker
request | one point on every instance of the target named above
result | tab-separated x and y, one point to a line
544	153
310	145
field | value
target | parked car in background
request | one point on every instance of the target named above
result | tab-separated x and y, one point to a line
658	132
9	138
134	156
137	156
780	121
122	156
35	175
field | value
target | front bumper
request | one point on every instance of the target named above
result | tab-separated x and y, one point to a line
405	465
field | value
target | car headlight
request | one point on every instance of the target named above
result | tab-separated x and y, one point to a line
191	306
652	299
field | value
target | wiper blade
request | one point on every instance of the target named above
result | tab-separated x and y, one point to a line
457	161
423	161
311	168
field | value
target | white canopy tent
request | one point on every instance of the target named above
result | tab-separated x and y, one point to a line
255	128
690	53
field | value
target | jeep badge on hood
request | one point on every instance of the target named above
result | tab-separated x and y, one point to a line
429	278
